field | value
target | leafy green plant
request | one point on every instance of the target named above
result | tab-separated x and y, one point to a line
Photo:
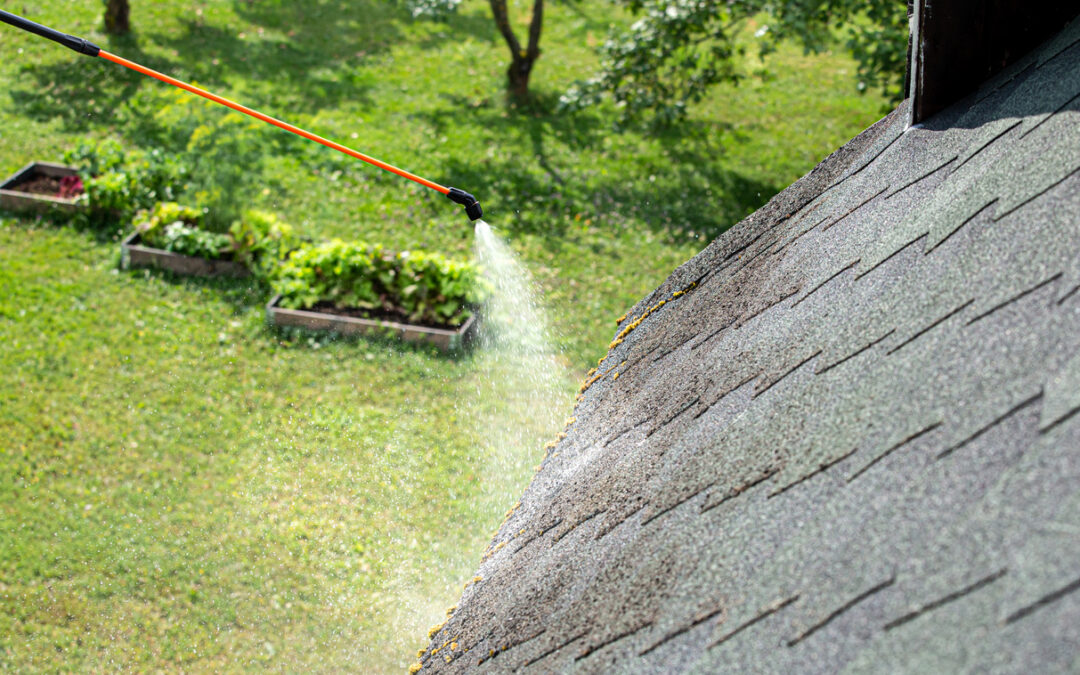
186	240
426	287
109	198
95	158
679	49
117	183
177	228
261	241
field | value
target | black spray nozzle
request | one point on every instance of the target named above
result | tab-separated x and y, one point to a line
70	41
472	207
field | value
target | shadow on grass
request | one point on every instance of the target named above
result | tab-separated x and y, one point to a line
681	191
313	67
316	64
101	234
82	92
290	75
240	294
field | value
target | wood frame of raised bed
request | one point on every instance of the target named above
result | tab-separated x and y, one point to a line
14	200
134	254
443	338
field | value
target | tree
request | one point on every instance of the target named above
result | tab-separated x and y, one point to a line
521	60
670	57
117	17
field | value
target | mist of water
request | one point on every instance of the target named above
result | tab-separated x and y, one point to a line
528	383
523	393
515	324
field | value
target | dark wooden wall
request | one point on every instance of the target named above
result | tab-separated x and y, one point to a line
958	44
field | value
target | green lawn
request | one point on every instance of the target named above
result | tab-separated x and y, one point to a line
182	489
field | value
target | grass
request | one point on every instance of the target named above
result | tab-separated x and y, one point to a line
183	489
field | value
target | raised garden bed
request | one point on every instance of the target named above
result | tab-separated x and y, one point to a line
38	187
134	254
445	339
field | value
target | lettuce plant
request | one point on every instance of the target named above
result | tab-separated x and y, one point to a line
425	287
177	228
261	241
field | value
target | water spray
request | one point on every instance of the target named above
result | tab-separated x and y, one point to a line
83	46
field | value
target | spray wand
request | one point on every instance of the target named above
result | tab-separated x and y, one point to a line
83	46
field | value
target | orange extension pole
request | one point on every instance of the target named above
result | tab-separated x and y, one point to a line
83	46
270	120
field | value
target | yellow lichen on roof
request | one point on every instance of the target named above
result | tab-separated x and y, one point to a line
593	376
492	551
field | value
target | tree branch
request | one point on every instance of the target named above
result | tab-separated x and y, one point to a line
502	21
534	29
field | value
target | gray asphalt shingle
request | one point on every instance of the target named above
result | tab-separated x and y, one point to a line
841	437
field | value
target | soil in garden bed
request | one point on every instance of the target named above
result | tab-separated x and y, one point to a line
376	315
51	186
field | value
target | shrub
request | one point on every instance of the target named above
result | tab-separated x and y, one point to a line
177	228
432	10
117	184
261	241
426	287
109	198
95	158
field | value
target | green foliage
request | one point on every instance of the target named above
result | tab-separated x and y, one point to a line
261	241
664	61
678	49
110	198
117	183
875	32
172	227
166	213
432	10
223	150
186	240
95	158
880	48
151	224
426	287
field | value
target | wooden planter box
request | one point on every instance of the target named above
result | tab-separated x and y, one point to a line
134	254
14	200
444	339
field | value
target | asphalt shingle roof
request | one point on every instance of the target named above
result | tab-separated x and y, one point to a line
844	436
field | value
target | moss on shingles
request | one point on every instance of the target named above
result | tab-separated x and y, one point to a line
595	375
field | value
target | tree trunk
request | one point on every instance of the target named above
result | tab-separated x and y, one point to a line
117	17
518	74
521	60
